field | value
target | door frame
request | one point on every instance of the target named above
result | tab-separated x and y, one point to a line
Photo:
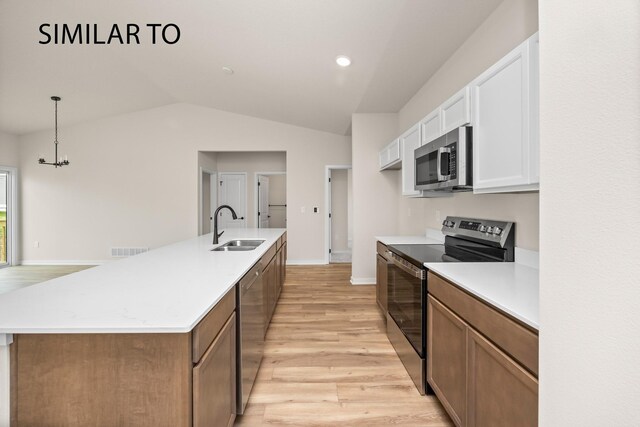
12	215
255	192
213	197
327	203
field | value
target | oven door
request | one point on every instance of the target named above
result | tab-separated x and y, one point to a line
435	164
407	301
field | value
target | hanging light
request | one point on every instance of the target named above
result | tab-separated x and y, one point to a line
57	162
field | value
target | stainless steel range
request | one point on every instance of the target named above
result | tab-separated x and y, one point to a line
466	240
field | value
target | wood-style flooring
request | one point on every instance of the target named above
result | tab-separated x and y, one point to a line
328	362
12	278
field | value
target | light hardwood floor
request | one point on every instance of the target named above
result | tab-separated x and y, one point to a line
12	278
328	361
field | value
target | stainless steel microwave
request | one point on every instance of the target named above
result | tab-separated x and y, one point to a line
445	163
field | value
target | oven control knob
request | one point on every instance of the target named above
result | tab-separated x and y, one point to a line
497	231
483	228
490	230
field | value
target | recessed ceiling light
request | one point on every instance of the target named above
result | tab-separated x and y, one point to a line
343	61
227	70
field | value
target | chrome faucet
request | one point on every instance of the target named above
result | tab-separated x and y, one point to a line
215	222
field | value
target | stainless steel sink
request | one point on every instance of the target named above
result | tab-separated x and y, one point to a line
233	248
238	246
252	243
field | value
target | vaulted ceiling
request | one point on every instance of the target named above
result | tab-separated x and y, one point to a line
282	53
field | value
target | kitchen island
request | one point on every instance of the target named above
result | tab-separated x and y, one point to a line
121	343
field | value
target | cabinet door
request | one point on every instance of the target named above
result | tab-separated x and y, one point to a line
268	289
381	282
455	111
501	124
390	156
409	141
274	286
214	381
430	127
499	391
447	359
383	158
283	275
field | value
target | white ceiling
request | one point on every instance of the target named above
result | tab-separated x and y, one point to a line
282	52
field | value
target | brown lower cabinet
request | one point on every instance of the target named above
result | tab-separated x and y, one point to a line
273	276
382	270
155	380
480	383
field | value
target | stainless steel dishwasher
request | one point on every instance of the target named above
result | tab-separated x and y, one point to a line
251	332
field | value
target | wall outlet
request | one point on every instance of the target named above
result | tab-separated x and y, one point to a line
36	244
438	216
316	209
303	209
408	211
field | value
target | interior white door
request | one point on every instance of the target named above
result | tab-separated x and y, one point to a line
4	218
330	233
233	192
263	201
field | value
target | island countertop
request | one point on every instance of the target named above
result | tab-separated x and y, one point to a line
169	289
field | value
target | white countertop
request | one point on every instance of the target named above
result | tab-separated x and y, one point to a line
169	289
407	240
510	287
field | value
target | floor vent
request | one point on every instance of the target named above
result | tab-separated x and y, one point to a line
125	252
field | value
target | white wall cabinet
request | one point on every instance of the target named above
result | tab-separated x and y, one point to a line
505	123
409	141
430	127
390	156
456	111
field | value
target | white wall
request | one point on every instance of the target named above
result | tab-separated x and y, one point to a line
510	24
339	210
9	150
252	162
589	213
374	193
133	180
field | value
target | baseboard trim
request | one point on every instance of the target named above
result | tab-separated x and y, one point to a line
306	262
363	280
64	262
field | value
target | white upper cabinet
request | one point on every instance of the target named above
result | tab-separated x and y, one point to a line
505	123
390	156
455	111
430	127
409	141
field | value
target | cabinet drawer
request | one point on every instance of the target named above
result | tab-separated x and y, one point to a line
516	340
382	249
206	331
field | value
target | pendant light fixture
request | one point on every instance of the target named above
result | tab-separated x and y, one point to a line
57	162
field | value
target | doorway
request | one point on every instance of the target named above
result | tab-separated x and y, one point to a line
8	226
232	191
339	219
208	199
271	199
